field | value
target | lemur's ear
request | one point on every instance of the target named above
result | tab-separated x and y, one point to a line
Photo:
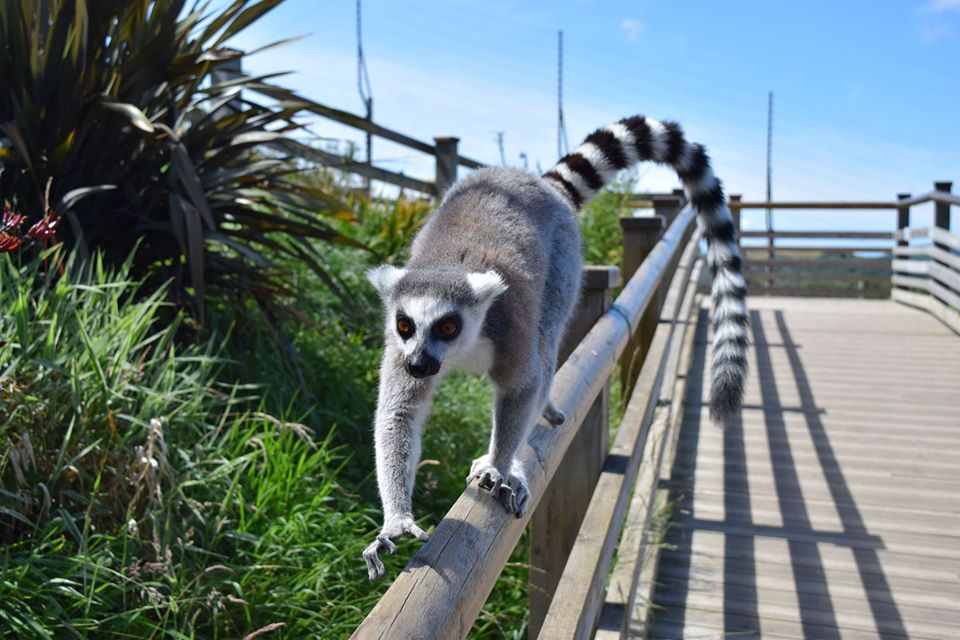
384	278
487	285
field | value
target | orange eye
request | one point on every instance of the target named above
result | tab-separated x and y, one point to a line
404	327
449	329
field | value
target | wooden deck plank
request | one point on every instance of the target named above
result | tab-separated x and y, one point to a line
830	509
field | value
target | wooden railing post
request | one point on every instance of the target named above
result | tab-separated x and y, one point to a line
225	72
555	523
640	235
941	210
903	218
446	173
734	205
667	205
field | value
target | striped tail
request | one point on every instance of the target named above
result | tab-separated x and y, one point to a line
581	174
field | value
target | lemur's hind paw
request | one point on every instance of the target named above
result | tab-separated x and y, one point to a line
511	491
393	528
553	415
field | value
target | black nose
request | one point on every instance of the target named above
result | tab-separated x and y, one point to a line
423	366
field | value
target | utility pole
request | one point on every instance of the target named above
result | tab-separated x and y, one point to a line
769	215
562	145
366	94
503	159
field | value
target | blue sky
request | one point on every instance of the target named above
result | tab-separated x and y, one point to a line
866	94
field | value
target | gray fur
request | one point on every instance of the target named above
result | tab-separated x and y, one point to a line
501	255
516	225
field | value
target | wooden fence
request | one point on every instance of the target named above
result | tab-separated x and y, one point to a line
927	274
592	498
443	149
831	263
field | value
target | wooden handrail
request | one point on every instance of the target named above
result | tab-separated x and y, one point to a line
441	591
576	603
808	204
361	123
932	196
631	583
336	162
864	235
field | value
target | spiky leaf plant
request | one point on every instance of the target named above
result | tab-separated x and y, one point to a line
114	123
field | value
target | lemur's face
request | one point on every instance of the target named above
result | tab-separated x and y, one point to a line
434	316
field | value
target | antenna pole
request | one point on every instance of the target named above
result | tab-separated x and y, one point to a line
366	93
562	145
769	216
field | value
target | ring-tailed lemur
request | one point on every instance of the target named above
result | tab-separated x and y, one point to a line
492	280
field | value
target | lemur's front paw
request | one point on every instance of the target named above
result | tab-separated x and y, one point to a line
488	475
511	491
393	528
481	463
514	493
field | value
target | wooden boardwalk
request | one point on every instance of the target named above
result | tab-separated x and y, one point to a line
832	509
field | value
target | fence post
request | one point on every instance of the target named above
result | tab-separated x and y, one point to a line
226	71
668	205
903	218
446	173
556	522
941	210
734	206
640	235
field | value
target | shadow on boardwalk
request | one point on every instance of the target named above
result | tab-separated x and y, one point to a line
769	536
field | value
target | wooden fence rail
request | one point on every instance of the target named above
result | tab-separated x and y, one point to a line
928	275
444	149
859	268
577	604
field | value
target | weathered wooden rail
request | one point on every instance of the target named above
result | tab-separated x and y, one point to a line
443	149
831	263
594	499
927	275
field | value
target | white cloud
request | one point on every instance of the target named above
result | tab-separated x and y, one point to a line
941	6
633	28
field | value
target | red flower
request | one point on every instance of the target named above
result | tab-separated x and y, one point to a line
46	228
8	242
11	220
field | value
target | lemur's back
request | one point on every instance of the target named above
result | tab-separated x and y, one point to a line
516	224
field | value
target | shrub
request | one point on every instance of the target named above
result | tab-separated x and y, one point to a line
600	224
113	120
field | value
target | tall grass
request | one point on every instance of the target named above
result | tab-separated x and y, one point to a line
143	498
159	483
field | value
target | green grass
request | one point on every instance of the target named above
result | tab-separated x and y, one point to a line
162	481
143	497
